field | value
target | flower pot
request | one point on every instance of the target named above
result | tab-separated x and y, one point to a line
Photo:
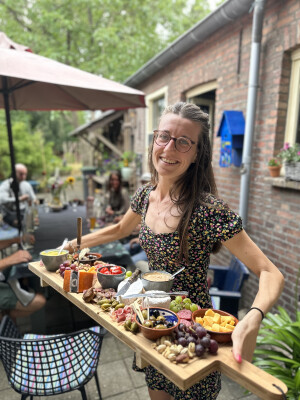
292	171
274	171
126	173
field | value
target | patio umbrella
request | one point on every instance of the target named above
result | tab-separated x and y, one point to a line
32	82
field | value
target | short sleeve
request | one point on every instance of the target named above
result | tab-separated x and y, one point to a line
224	223
139	200
218	222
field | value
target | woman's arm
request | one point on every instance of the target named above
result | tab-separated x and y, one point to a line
271	283
109	233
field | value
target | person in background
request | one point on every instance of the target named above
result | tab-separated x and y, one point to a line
182	222
116	197
9	303
7	197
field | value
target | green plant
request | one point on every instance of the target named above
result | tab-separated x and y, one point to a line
128	157
278	348
273	162
290	153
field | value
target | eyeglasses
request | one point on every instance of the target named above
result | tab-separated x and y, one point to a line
182	144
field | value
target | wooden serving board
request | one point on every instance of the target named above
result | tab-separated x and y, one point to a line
246	374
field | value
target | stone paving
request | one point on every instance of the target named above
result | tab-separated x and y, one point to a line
118	381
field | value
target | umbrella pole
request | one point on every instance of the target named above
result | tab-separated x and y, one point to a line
15	186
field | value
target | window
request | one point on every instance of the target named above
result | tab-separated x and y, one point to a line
292	128
156	103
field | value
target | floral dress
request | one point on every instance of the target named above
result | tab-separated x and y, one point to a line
208	225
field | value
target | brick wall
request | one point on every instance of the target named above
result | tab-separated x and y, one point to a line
274	214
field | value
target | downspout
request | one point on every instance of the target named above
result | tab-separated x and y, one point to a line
258	18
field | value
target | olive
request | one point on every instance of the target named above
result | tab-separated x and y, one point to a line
160	319
148	323
144	314
152	318
121	305
160	326
127	325
134	327
155	313
169	325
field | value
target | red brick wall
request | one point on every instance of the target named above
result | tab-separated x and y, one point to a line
274	214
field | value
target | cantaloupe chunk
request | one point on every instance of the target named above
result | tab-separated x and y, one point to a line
209	313
199	320
215	327
217	318
85	280
208	320
67	277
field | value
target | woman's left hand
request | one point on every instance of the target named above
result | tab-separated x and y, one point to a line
244	337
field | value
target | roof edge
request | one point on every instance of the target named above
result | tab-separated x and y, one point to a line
224	14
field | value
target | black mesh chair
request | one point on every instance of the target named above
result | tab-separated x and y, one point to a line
38	365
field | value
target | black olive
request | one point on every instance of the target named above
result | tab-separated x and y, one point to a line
169	325
155	313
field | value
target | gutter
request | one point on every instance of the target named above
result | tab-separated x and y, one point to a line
223	15
257	26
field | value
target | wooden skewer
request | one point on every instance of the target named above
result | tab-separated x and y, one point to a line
138	312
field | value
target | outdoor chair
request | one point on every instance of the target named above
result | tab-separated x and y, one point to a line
227	285
40	365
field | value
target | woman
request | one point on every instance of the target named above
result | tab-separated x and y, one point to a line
182	222
116	198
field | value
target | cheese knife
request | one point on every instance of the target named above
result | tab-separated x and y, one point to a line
79	233
132	279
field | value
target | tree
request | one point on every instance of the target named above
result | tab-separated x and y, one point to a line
112	38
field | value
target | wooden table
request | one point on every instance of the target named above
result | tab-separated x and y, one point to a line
246	374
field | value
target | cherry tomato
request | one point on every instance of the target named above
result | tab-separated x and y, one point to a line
104	270
115	270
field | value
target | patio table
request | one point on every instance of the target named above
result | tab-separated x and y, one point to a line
246	374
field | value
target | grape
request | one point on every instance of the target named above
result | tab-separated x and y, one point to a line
183	341
67	268
205	342
180	334
213	347
191	339
175	308
128	274
173	303
199	350
67	263
186	306
187	300
73	267
62	267
200	331
178	299
181	327
193	307
63	274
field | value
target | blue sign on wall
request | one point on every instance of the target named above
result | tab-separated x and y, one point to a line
231	130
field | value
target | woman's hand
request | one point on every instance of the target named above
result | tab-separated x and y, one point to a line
244	336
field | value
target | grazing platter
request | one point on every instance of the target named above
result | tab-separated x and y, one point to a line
183	374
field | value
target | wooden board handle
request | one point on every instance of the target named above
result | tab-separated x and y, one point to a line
259	382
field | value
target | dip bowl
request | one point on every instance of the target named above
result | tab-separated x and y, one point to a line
157	280
52	260
153	333
110	281
89	258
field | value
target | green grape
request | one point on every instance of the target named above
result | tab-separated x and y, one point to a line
173	303
178	299
128	274
187	300
174	308
187	306
193	307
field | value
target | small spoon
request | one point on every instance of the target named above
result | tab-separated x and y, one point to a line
62	246
177	272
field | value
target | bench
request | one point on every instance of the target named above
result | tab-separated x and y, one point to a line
227	285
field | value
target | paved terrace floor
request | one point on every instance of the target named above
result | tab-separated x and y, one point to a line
117	380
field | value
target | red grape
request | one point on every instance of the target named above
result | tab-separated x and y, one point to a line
199	350
213	347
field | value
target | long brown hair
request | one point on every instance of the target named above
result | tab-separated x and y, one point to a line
198	181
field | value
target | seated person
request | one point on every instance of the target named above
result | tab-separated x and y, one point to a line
9	303
7	196
116	198
135	250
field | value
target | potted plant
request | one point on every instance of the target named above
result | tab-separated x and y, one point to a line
126	170
278	347
274	167
290	155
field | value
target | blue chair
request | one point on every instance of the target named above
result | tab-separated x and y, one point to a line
40	365
227	285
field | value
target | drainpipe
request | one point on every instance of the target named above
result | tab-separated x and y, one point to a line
258	17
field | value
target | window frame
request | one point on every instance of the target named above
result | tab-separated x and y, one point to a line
293	109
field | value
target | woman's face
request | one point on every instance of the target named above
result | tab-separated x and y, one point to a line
114	182
168	161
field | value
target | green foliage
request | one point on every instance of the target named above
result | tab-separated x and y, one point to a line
290	153
273	162
29	148
278	349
